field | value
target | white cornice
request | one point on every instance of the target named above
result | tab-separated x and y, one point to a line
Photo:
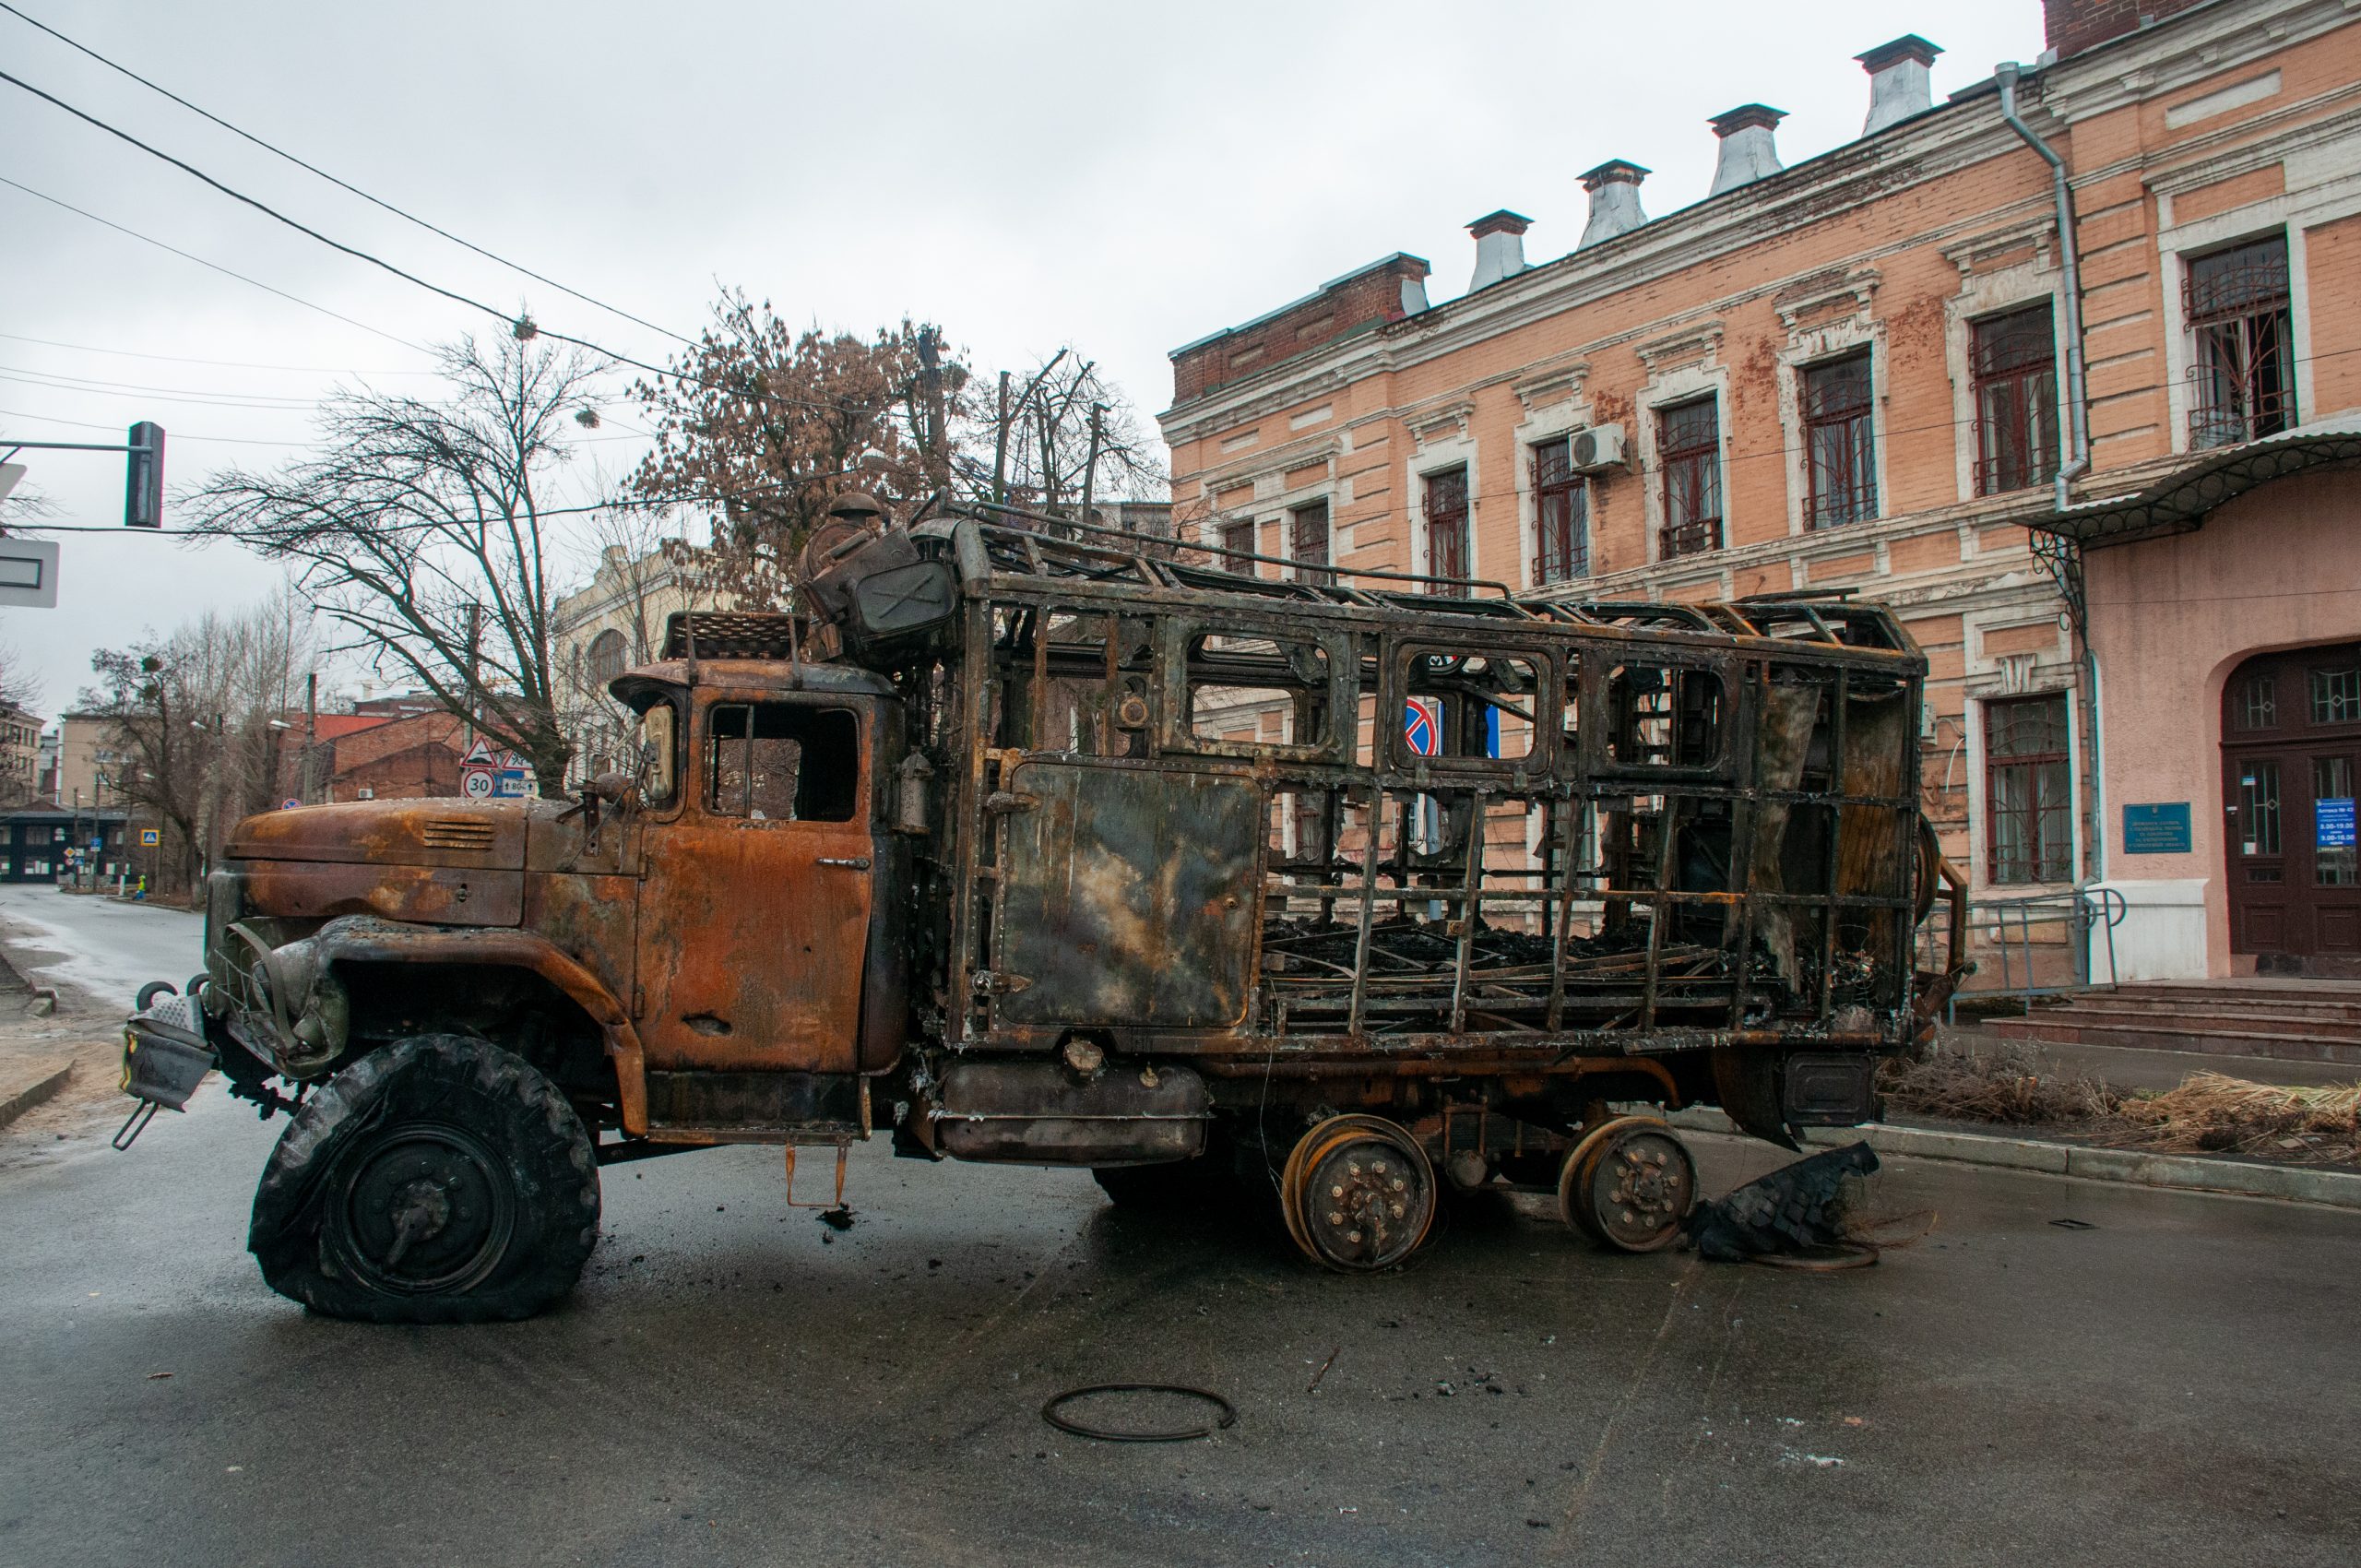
2184	50
1957	136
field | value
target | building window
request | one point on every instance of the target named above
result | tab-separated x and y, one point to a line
1560	514
1239	540
2012	361
2259	707
2336	697
1307	545
606	658
1689	442
2242	370
1446	506
2029	818
1840	451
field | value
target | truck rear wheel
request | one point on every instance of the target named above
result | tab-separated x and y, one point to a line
441	1180
1358	1194
1628	1185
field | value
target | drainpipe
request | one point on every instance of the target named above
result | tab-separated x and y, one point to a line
2078	423
2077	440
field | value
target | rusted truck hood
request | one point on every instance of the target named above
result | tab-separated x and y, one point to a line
480	835
437	861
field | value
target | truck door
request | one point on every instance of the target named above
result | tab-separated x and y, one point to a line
754	908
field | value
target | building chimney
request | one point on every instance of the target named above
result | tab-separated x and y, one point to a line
1899	83
1500	246
1747	153
1613	188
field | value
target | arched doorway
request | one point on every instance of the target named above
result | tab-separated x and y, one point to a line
2291	747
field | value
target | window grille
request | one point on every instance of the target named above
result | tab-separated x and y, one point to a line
2336	697
1446	506
1839	446
606	660
1240	538
2012	361
1560	514
1308	543
1688	443
2242	371
2260	710
2028	816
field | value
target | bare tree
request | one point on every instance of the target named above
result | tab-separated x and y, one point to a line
1065	431
198	721
422	533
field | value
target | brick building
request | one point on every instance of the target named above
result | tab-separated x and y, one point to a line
20	754
390	748
1924	367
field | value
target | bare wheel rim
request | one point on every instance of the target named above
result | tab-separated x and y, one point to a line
426	1208
1291	1174
1364	1195
1632	1188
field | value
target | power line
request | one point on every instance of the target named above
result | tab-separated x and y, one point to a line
86	424
184	359
730	389
273	213
169	393
331	179
215	265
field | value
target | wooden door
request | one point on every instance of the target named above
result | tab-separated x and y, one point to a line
2291	749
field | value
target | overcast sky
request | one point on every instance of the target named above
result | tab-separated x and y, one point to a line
1125	178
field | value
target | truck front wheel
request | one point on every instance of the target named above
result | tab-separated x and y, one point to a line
440	1179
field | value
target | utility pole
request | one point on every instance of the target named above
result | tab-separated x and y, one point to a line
1000	446
311	734
1090	466
938	457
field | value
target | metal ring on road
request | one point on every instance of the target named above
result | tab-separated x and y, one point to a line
1229	1413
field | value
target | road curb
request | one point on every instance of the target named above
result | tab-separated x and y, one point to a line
2194	1173
35	1093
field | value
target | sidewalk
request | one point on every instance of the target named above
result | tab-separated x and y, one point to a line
2134	1071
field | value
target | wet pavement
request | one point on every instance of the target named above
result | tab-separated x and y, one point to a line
735	1383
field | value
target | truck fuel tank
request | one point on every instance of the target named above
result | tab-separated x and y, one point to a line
1031	1112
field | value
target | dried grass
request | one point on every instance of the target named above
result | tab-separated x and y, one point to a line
1994	1083
2213	1113
2209	1113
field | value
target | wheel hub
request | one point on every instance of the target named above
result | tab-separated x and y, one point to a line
428	1208
1359	1194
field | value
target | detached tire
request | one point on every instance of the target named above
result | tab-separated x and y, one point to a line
441	1180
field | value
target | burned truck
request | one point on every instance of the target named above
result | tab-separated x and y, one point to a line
1325	894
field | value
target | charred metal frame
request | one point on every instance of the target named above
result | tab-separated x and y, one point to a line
1649	828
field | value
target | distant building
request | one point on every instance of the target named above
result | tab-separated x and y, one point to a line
43	843
87	770
613	624
404	748
20	749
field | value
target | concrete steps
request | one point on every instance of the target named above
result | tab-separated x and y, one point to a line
2285	1020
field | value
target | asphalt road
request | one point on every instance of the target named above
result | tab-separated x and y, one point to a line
734	1382
107	948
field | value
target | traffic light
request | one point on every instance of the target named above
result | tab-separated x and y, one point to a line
143	491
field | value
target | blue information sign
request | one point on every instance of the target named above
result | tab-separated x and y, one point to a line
2161	828
2332	822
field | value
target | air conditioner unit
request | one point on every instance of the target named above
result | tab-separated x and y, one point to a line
1600	447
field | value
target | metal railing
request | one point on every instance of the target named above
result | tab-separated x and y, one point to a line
2006	926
